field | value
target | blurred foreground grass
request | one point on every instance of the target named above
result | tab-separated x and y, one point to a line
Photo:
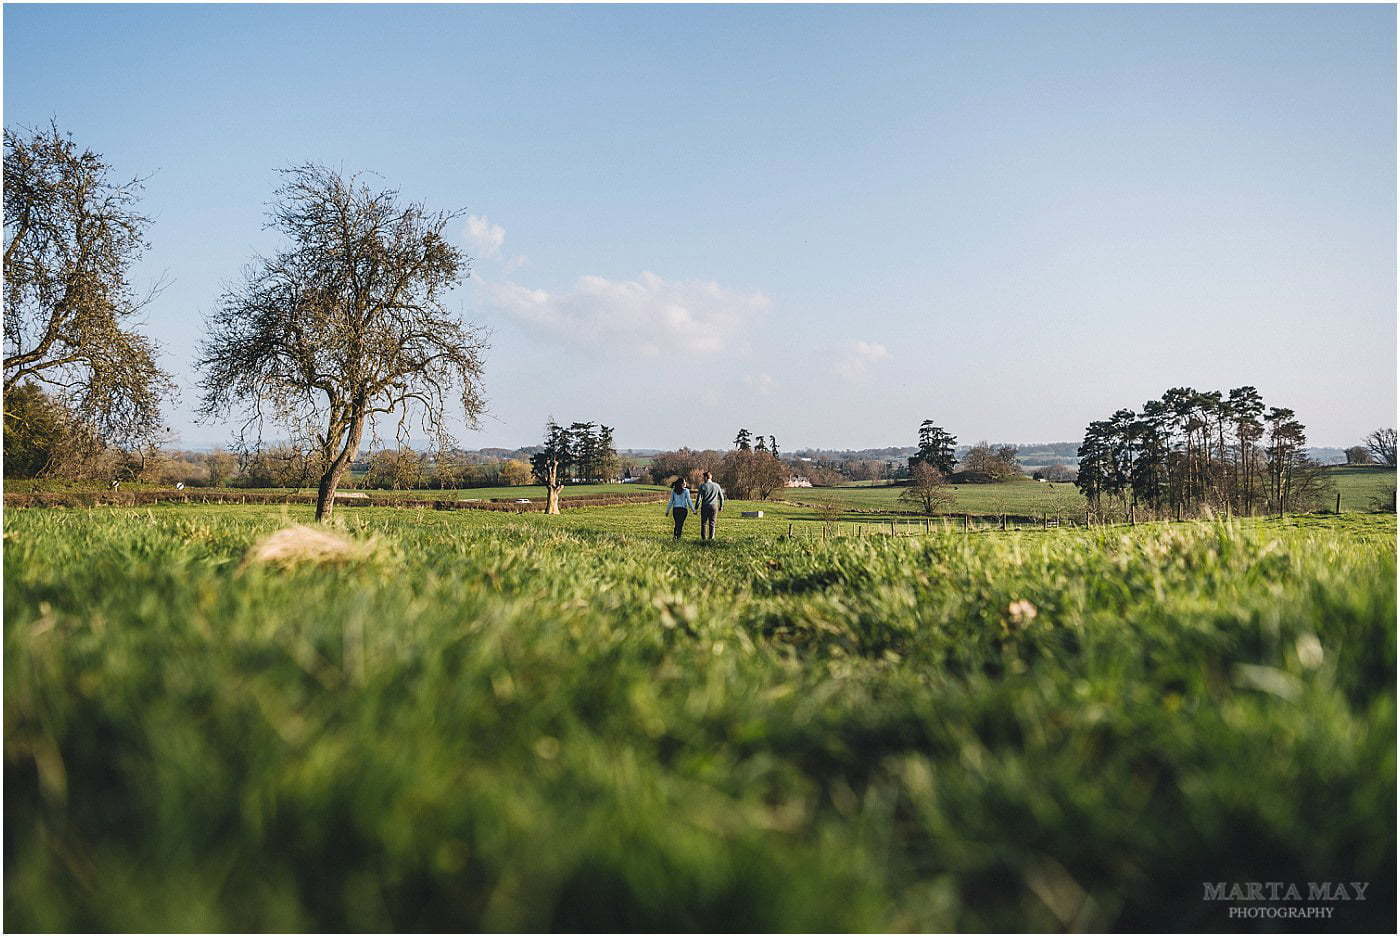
530	723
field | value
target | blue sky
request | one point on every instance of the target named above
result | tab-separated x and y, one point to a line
823	223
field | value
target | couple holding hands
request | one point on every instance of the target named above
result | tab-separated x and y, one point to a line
711	497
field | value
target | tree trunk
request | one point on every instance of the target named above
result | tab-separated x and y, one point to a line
552	501
325	491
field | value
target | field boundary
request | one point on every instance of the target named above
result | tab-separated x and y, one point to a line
92	499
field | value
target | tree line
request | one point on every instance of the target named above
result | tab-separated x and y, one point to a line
1192	452
578	453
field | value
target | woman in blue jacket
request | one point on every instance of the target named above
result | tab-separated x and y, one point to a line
680	505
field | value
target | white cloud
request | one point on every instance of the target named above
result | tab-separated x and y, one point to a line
483	237
649	315
761	383
858	359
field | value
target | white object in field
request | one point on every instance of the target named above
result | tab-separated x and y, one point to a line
522	500
751	514
116	484
179	486
350	494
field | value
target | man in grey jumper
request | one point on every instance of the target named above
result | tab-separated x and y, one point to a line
711	503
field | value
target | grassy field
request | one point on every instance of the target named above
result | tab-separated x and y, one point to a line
504	722
1025	497
1359	486
533	492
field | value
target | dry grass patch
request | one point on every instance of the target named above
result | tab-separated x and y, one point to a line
303	544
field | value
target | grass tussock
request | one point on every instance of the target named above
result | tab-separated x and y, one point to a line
303	544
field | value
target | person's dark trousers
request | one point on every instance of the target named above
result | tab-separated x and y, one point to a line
707	523
678	515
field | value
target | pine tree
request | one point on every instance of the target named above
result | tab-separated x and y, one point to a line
937	448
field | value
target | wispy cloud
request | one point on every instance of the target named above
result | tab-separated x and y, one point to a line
856	362
649	315
484	238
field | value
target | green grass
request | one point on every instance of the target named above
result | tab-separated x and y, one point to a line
1023	497
1359	486
522	722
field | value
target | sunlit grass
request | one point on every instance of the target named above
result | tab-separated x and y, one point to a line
502	722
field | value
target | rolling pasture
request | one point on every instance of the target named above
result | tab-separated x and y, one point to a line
1358	485
1362	485
490	721
1025	497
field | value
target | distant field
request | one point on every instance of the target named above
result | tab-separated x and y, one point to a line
1025	497
1359	486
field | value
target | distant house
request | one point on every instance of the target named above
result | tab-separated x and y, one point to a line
799	481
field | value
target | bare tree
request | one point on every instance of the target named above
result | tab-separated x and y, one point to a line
1311	487
1359	455
927	488
71	236
999	462
515	472
748	473
1382	446
689	464
345	322
395	469
221	466
1058	473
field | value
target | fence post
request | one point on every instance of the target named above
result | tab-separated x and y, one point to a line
789	530
891	528
1339	503
927	522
